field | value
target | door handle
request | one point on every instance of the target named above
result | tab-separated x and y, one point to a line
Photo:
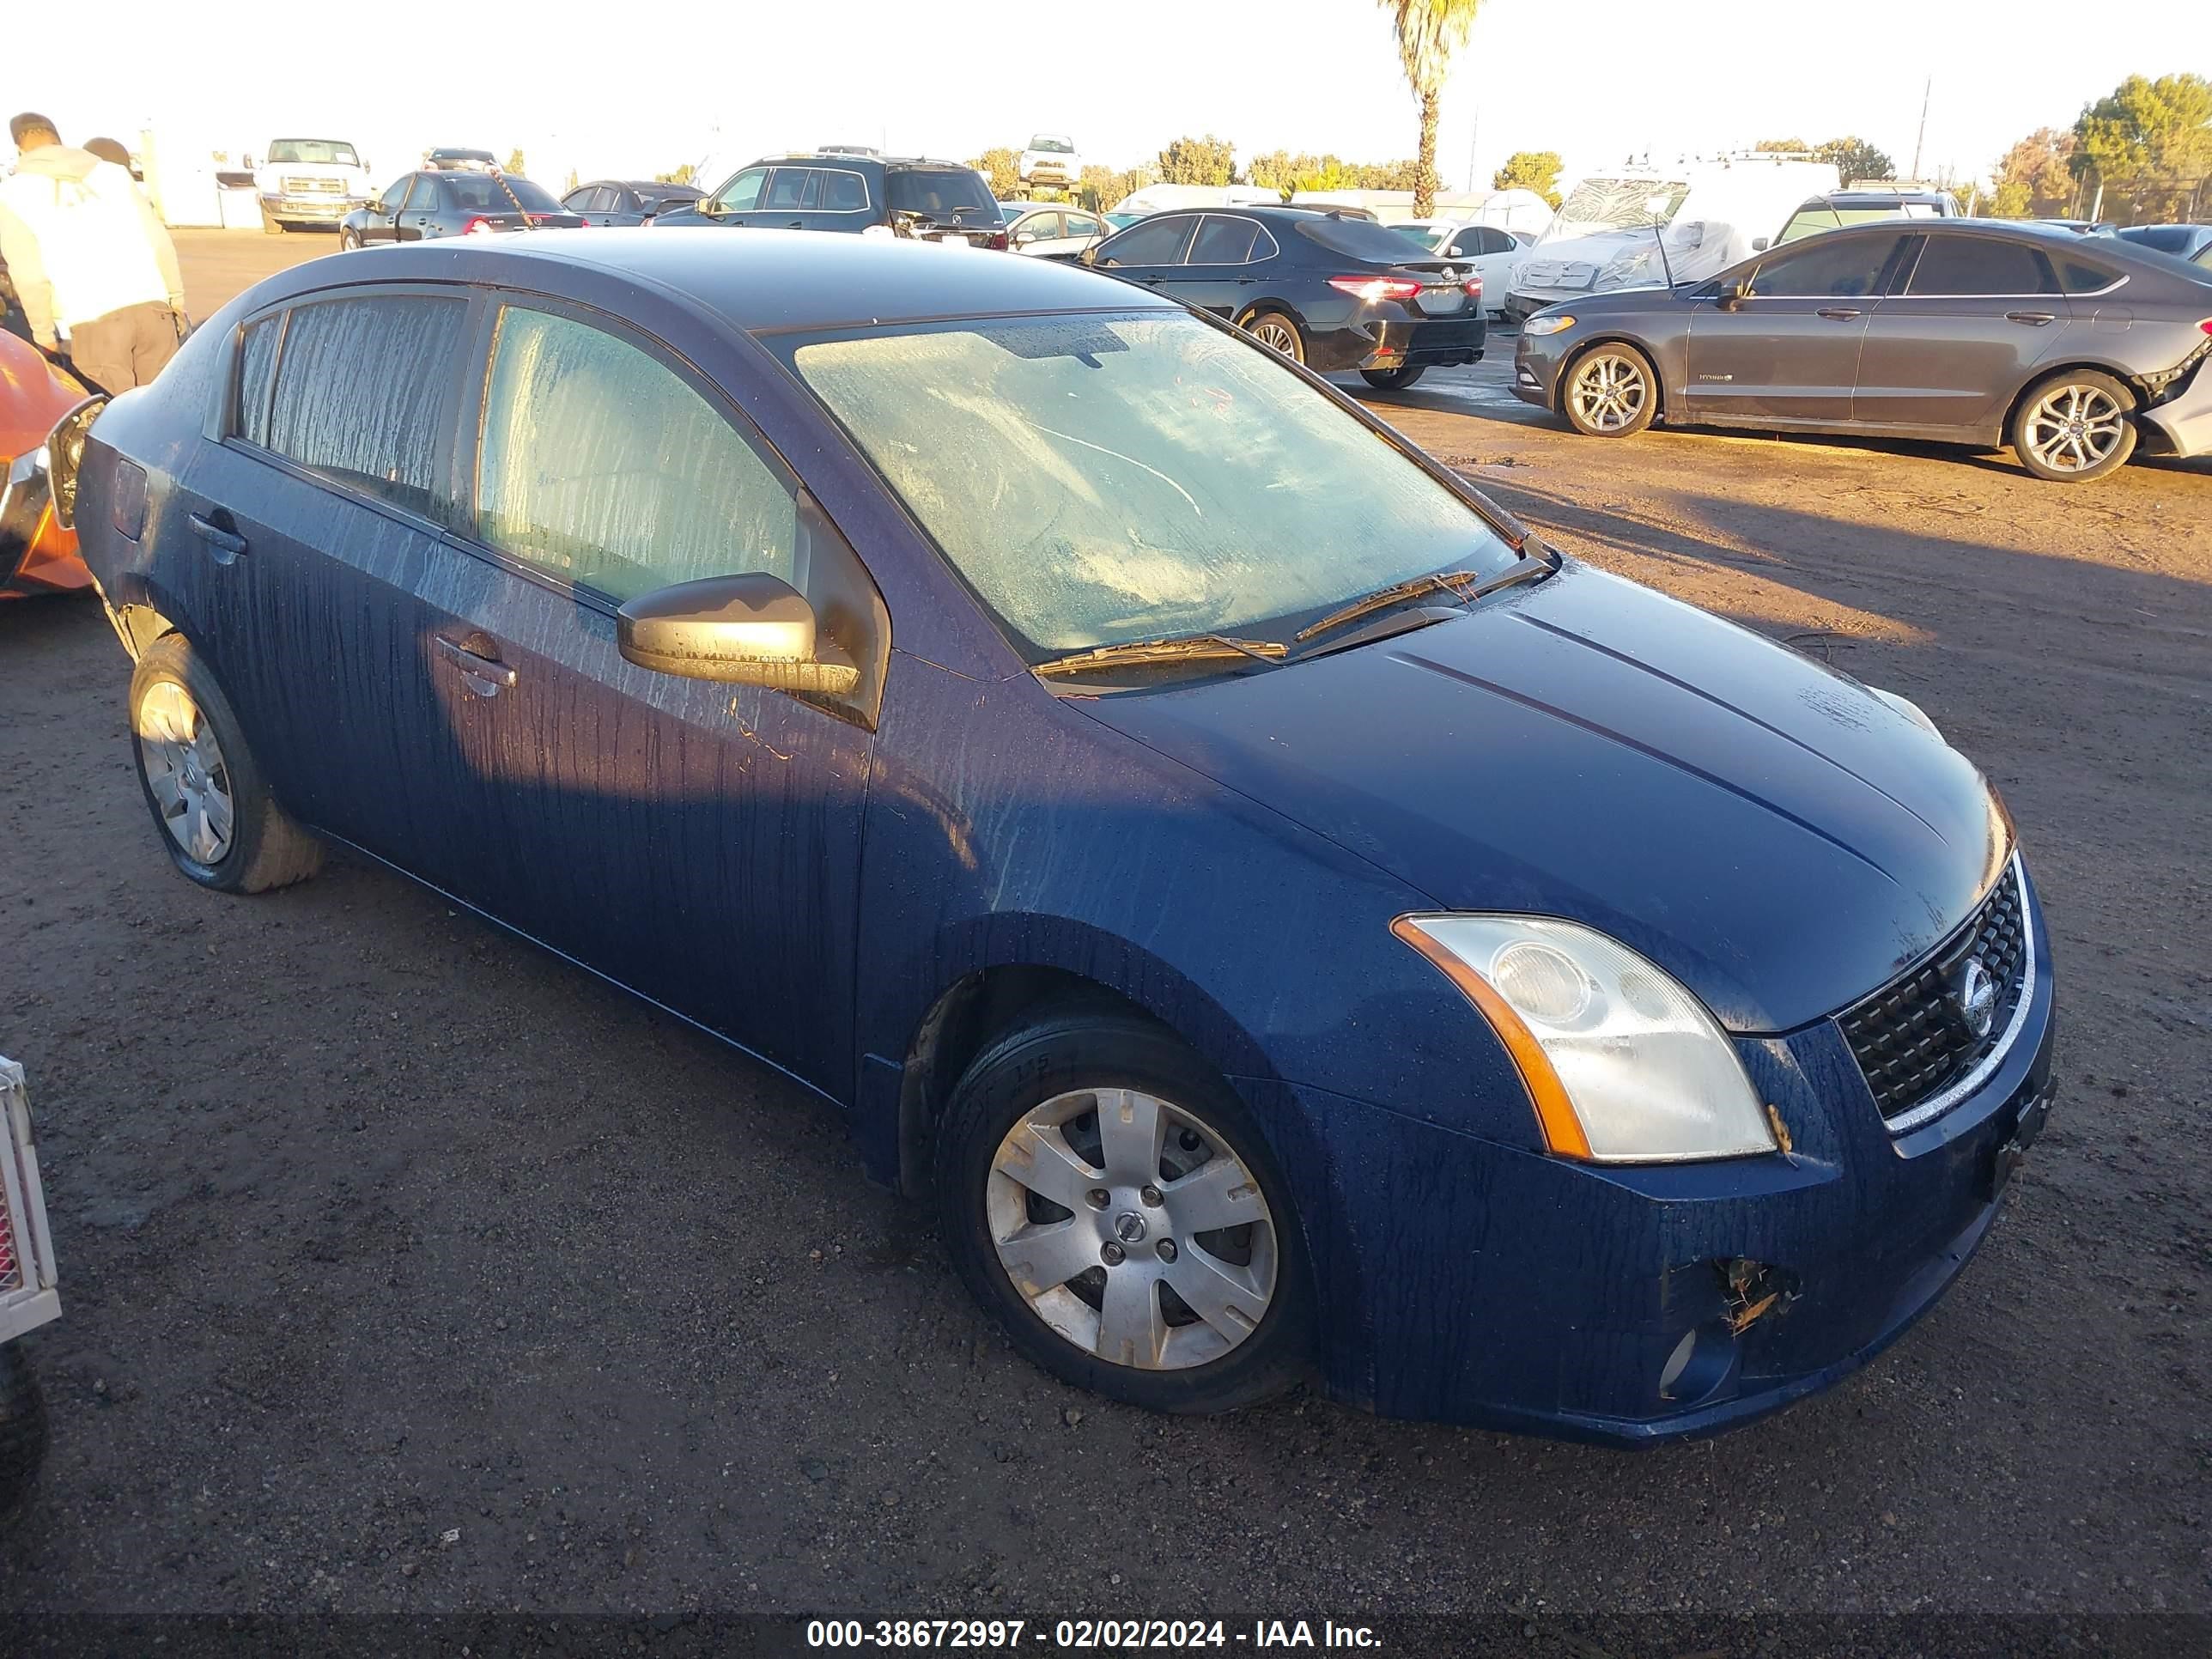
1838	313
796	224
485	676
2032	319
226	542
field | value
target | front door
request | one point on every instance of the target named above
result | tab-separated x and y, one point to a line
1787	350
738	201
697	841
1150	252
1975	316
419	219
381	222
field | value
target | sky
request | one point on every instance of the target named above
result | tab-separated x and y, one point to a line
634	89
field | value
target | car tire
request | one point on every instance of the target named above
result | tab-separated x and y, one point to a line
23	1430
1276	332
210	805
1054	1084
2075	426
1609	391
1394	379
347	240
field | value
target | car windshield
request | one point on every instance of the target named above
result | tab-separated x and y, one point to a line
1597	205
1102	479
322	151
1807	220
1045	145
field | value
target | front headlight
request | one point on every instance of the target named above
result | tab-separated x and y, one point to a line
1546	325
1624	1065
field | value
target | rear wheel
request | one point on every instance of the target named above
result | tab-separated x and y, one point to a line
217	820
2074	427
1611	392
1277	333
1394	379
1109	1198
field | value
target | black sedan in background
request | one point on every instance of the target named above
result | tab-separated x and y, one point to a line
2070	349
620	202
1330	291
434	202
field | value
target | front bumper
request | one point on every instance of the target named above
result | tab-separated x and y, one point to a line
1475	1283
319	208
2184	423
1536	362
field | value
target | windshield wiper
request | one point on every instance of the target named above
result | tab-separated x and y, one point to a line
1464	586
1187	647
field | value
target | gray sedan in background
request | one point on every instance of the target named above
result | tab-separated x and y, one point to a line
2072	349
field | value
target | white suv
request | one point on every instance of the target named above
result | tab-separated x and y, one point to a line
1051	160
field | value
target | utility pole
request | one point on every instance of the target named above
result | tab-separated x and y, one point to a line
1927	88
1474	133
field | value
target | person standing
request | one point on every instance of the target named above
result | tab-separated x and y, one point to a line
90	259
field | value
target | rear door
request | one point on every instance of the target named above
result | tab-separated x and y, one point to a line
310	528
1975	314
697	841
1789	351
791	194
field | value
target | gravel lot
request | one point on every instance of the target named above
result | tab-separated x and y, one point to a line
376	1224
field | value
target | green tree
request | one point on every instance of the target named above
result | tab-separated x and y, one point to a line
1429	32
1207	160
1855	158
1783	147
1002	168
1531	169
1103	189
2034	179
515	162
682	173
2150	144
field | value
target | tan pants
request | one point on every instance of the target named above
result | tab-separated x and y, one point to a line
125	348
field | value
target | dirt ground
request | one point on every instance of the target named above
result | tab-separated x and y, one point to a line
379	1226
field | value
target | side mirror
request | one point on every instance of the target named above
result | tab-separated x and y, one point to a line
1729	295
373	201
1759	244
1089	255
751	630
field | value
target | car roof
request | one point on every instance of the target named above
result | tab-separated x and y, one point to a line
762	279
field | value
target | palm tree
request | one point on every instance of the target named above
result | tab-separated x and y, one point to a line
1429	32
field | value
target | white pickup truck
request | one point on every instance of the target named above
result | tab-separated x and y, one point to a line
309	181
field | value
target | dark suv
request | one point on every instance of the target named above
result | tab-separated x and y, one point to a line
839	190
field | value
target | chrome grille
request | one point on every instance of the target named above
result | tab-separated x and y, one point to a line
313	186
1911	1038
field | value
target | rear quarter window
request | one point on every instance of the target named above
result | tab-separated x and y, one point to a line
257	378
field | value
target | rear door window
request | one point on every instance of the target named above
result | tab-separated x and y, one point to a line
1980	265
361	392
788	189
1832	267
1222	241
602	468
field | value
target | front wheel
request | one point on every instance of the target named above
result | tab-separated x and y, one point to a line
1277	333
217	820
1612	392
1394	379
347	239
2074	427
1109	1198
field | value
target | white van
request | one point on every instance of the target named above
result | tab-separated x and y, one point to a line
1642	229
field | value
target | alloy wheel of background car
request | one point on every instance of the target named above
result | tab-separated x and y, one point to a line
1112	1203
347	240
2074	427
1277	333
218	821
1609	393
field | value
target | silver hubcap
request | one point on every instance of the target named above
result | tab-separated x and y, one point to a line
1609	391
1277	336
1132	1228
185	771
2073	428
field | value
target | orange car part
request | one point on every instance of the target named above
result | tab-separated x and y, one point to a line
34	394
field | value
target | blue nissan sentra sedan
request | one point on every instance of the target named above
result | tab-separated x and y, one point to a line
1280	916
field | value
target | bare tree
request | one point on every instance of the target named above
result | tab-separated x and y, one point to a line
1429	32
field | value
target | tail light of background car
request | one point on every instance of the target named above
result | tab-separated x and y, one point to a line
998	240
1371	288
477	226
1473	287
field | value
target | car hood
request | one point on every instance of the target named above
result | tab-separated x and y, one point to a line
1770	832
